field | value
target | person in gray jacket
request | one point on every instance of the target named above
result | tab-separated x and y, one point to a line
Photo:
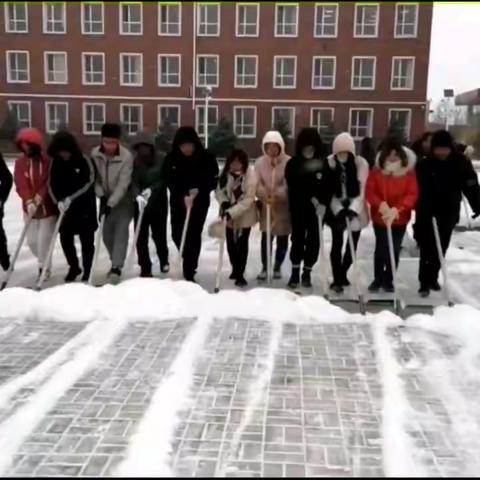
114	165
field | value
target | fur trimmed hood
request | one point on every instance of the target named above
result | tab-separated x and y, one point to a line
411	162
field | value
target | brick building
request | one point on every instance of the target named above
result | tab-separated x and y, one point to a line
340	66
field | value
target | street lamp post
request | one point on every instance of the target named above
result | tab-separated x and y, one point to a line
448	94
208	92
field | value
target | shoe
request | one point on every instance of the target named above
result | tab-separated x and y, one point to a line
85	276
345	282
435	286
337	288
306	278
146	273
241	282
277	273
115	274
47	276
375	286
165	268
5	263
190	278
388	287
424	291
294	278
262	276
233	276
72	274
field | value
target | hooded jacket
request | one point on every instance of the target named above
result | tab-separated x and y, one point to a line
397	190
31	175
6	182
272	182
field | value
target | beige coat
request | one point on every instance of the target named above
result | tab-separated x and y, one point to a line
244	210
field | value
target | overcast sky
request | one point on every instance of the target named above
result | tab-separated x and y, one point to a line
455	49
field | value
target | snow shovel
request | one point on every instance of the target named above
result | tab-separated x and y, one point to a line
98	240
467	213
221	249
131	252
17	250
398	303
269	243
323	252
443	264
356	272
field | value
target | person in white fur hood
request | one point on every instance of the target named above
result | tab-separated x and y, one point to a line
350	173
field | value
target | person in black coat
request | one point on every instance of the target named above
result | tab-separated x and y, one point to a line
443	176
191	169
6	182
367	151
71	186
308	180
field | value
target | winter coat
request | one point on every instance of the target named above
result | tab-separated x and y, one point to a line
358	167
114	176
397	190
73	178
31	175
243	210
272	182
6	182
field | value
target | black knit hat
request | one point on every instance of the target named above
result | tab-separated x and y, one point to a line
442	138
111	130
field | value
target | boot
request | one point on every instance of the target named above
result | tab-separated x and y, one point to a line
262	276
5	263
240	281
375	286
233	275
424	291
165	268
388	287
85	276
435	286
336	287
306	277
146	272
277	272
295	277
72	274
115	274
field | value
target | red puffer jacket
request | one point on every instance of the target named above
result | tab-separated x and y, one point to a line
31	176
399	190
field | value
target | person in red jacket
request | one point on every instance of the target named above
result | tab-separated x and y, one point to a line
31	174
392	194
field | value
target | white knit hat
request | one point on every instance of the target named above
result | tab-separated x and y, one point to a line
343	143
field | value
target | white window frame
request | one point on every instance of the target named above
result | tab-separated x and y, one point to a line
357	6
415	34
335	35
22	102
327	57
370	127
47	117
45	67
84	69
7	65
275	58
169	55
198	6
393	71
199	84
124	123
237	18
409	124
277	5
236	85
166	105
170	4
197	116
120	18
7	19
278	107
82	9
84	116
251	107
374	72
129	54
312	111
44	16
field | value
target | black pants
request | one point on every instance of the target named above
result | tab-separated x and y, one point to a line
429	259
154	220
305	240
4	257
382	264
281	252
193	241
341	262
237	246
87	241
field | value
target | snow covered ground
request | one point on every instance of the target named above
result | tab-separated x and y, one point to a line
163	378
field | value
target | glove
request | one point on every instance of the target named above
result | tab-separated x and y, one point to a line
38	200
188	202
270	200
142	201
346	203
64	205
104	208
146	194
383	208
223	208
31	209
390	216
319	208
346	213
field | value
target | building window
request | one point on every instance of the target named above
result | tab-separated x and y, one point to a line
399	120
170	19
131	69
322	120
406	20
54	17
246	71
131	18
56	67
21	110
208	17
16	17
366	20
92	18
200	119
93	118
285	69
56	116
93	65
285	117
361	121
324	69
169	115
403	71
245	122
247	19
326	20
207	70
18	67
286	20
363	73
131	117
169	70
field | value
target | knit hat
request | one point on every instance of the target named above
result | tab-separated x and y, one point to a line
442	138
111	130
343	143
